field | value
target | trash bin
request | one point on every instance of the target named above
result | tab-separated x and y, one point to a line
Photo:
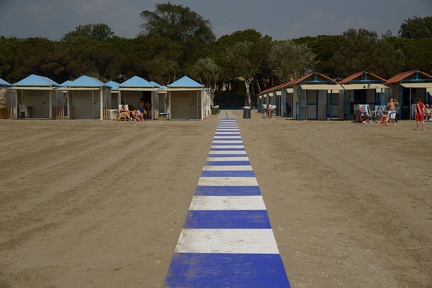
246	112
217	109
214	110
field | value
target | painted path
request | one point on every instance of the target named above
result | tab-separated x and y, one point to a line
227	240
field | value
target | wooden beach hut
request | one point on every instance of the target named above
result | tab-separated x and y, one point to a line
114	93
135	88
316	97
87	98
5	99
362	88
186	99
406	87
38	97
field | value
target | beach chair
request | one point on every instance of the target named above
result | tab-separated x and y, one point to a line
362	113
374	112
121	115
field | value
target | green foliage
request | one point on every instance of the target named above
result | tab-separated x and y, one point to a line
176	41
416	28
206	71
324	47
97	31
177	23
289	60
362	50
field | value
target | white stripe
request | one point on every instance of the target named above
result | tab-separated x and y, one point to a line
228	168
249	241
227	141
228	158
227	146
229	152
227	203
227	181
228	132
227	137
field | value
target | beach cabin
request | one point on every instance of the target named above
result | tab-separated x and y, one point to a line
186	99
114	94
316	97
37	97
87	98
132	90
406	87
280	95
287	93
5	99
362	88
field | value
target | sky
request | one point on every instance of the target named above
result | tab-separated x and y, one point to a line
280	19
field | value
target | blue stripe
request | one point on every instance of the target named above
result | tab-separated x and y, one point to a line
228	139
227	149
227	163
227	219
228	191
226	270
228	174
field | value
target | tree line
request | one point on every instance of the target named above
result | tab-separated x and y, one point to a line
176	41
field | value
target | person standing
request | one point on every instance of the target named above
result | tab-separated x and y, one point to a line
147	107
420	114
391	107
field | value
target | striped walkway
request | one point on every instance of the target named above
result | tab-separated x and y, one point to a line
227	240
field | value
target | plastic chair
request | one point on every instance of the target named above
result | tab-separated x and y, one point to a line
22	109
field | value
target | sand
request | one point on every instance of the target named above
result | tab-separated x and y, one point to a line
102	203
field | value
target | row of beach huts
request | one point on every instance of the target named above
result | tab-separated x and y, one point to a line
38	97
313	96
318	97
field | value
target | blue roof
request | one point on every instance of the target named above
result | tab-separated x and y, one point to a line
66	83
87	81
4	83
185	82
155	84
137	82
114	85
36	80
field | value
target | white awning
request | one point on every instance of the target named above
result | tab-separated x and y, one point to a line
34	88
374	86
329	87
138	89
417	85
80	88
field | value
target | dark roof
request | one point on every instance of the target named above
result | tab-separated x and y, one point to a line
403	75
371	77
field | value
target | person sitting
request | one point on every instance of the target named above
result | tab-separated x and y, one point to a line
123	113
378	113
269	110
384	119
428	114
138	115
365	117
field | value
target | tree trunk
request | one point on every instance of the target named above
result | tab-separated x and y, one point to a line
248	96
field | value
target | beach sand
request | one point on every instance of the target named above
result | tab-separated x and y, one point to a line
102	203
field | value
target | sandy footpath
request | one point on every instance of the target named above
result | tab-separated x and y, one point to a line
102	203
